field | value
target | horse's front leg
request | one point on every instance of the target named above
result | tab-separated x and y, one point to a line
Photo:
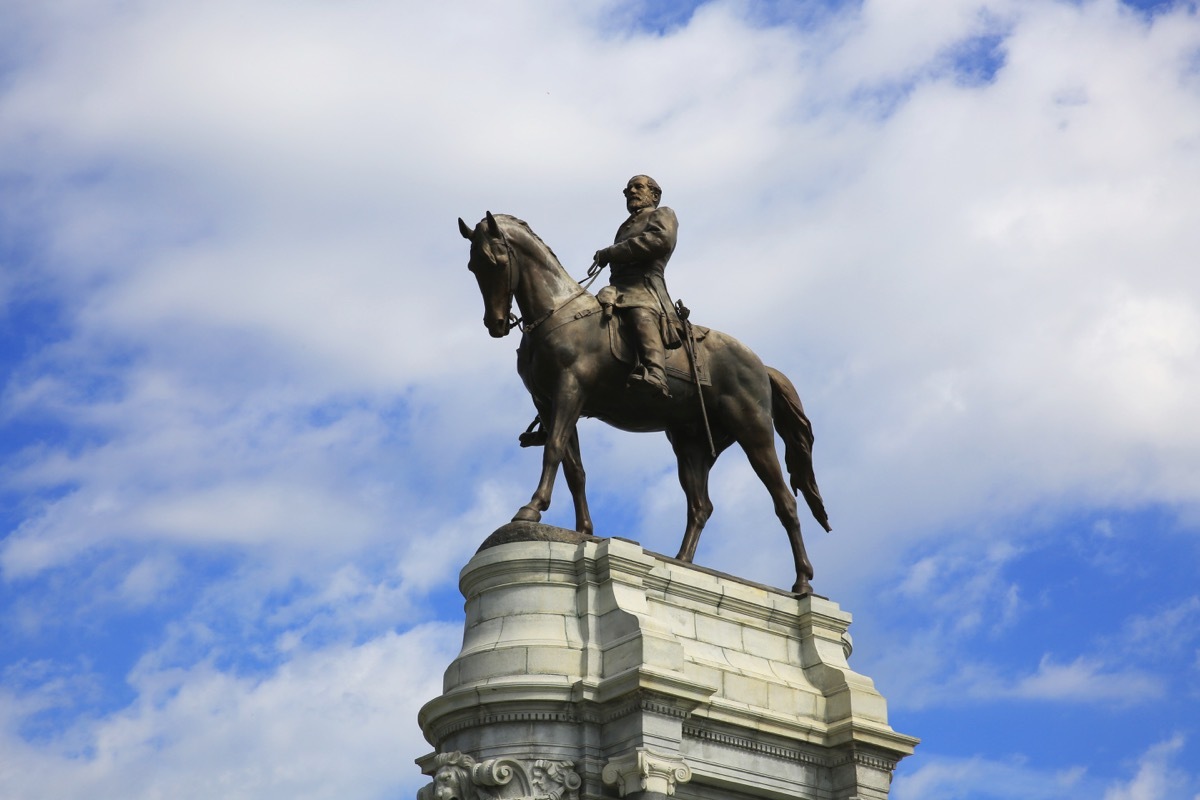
560	425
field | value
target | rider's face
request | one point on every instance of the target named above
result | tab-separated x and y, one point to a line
638	195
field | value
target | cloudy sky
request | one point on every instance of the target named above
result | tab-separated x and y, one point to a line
252	425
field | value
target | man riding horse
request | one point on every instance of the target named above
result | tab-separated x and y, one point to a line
637	289
567	364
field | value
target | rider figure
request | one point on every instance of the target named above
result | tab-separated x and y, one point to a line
638	257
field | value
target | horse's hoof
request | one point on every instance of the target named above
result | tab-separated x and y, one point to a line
527	514
802	588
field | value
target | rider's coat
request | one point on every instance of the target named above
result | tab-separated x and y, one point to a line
641	249
638	259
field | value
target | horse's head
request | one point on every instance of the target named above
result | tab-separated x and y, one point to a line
492	265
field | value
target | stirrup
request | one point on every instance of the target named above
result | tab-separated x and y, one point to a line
534	438
643	380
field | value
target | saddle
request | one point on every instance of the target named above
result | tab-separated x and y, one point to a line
624	350
677	361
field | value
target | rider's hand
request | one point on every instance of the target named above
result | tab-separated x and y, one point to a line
600	259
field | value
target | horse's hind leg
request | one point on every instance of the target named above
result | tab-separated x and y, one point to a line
760	450
576	482
695	462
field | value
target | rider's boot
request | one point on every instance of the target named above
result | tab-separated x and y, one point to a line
651	352
655	378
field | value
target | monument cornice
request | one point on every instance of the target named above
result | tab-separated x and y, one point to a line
698	730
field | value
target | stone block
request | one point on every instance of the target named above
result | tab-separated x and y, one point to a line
452	677
766	644
537	598
678	621
721	632
785	700
694	585
542	660
478	667
790	674
744	689
747	663
700	673
482	636
707	653
622	657
617	624
535	628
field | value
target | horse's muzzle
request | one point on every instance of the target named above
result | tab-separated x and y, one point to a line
497	328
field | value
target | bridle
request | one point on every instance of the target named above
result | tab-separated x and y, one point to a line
511	277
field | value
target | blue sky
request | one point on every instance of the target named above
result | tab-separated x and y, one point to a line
252	427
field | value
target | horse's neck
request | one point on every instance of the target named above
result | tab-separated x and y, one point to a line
544	285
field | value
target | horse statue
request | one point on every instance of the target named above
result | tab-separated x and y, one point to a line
567	362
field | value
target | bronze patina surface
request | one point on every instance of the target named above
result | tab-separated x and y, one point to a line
567	363
637	289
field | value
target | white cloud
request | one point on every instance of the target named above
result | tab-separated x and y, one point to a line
148	579
324	724
966	585
995	267
954	779
935	669
270	348
1085	680
964	610
1157	778
1167	629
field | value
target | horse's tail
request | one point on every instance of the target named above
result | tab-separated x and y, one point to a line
796	431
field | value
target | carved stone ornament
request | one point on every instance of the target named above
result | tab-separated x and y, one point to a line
643	771
458	776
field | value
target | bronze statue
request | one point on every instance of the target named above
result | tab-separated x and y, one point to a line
637	289
575	362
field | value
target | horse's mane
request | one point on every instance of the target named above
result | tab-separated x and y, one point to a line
530	231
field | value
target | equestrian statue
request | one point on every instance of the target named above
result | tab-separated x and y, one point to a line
631	358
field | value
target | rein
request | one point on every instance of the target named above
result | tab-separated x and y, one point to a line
527	327
513	321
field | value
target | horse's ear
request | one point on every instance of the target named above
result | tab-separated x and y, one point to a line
466	232
493	226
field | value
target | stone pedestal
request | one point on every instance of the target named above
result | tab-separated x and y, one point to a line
592	668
